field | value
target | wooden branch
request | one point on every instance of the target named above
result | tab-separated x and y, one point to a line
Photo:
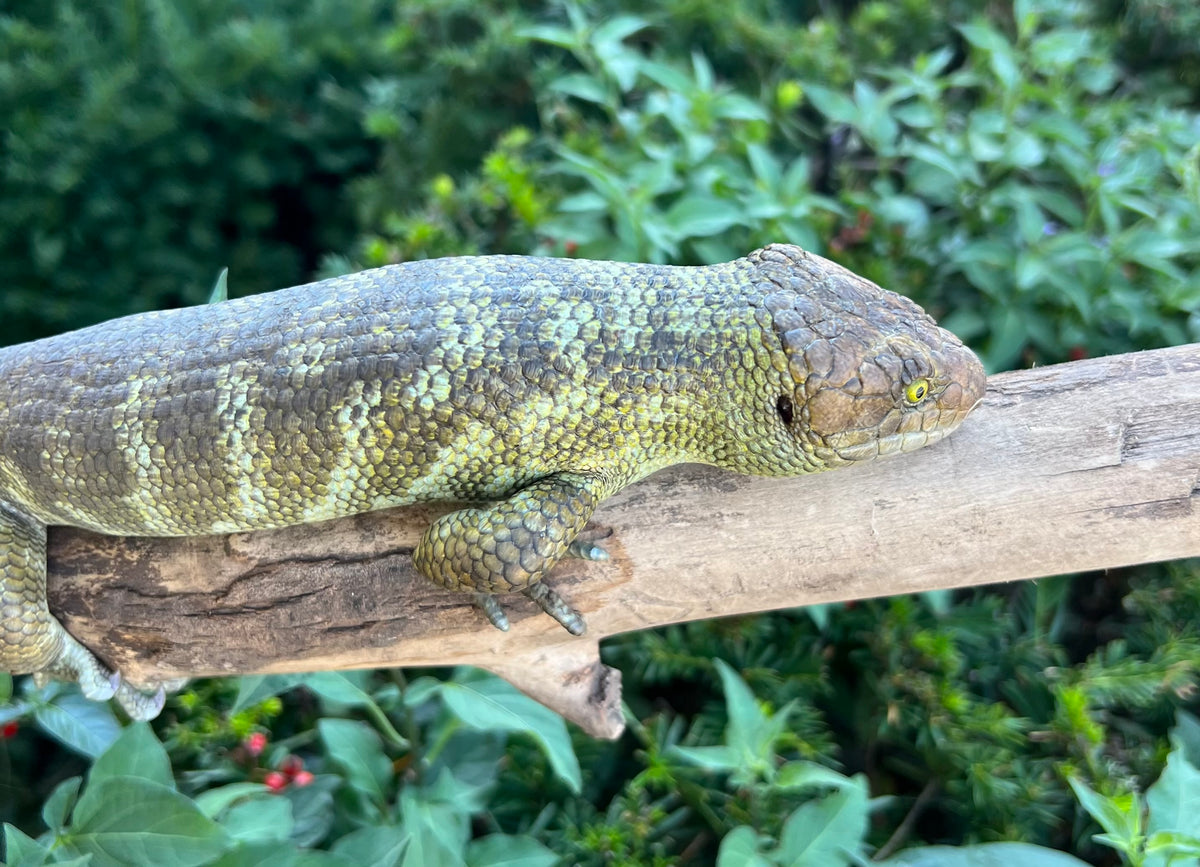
1080	466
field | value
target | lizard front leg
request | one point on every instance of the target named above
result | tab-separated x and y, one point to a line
31	640
508	547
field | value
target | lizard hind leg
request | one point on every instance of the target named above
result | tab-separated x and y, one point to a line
508	547
32	641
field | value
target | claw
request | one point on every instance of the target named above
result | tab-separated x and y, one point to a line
141	705
587	551
557	607
492	611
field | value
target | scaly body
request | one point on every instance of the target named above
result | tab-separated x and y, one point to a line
539	386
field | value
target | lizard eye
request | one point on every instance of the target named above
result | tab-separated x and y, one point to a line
916	391
784	406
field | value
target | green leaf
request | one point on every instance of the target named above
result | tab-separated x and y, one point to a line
810	775
220	289
998	51
485	702
734	106
88	727
1185	737
509	850
838	107
337	687
265	818
581	86
1164	846
58	806
699	216
313	809
828	831
1121	821
381	846
256	688
130	820
136	753
563	37
1174	799
439	825
717	758
213	801
358	749
985	855
21	850
1022	151
618	29
272	854
741	847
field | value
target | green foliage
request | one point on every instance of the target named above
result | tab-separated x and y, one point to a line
149	143
1163	827
1022	173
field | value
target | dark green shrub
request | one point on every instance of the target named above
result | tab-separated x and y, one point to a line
149	144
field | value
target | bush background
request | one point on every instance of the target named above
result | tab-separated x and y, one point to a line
1028	171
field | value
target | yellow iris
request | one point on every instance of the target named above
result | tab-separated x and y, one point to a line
916	391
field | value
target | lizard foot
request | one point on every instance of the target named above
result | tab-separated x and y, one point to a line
98	683
549	601
75	662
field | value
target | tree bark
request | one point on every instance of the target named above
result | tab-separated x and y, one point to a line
1080	466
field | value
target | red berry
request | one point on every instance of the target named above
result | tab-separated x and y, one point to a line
303	778
275	781
9	730
256	743
292	765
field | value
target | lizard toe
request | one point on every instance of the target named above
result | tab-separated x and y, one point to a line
75	662
141	705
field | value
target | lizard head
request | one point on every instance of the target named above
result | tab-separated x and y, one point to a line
871	373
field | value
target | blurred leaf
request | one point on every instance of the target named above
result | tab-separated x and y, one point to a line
488	703
741	848
357	748
85	726
835	106
508	850
57	808
130	820
23	851
263	818
220	290
1174	799
828	831
582	87
699	216
983	855
1121	820
136	753
213	801
382	846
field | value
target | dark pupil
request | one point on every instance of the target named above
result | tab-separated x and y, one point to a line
784	405
920	392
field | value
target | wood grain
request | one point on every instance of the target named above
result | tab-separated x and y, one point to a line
1074	467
